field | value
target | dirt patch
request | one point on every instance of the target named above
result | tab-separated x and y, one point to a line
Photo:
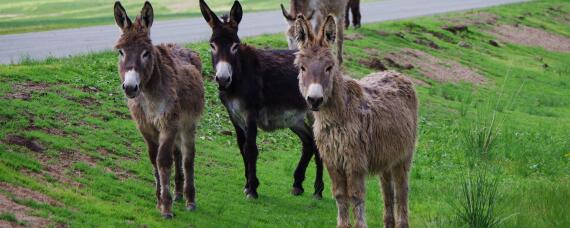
475	18
529	36
432	67
23	91
374	63
24	193
354	36
21	213
57	167
427	43
87	101
31	144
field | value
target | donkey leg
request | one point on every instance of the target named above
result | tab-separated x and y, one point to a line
346	14
307	140
339	39
319	184
356	184
388	192
340	193
240	137
356	17
164	161
178	175
150	136
188	155
251	152
400	174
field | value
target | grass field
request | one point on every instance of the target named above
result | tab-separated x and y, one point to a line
510	133
41	15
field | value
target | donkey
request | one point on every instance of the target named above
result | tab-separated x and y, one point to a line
361	127
165	94
354	7
259	89
315	11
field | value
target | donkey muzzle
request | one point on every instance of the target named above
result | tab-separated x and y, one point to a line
223	74
131	84
315	96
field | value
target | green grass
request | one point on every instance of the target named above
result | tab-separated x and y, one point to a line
41	15
530	151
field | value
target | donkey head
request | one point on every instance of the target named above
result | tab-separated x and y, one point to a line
136	53
318	65
290	18
224	42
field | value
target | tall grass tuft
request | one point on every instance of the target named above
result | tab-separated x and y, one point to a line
477	206
481	138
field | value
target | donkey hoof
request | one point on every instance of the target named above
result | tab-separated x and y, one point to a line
191	207
317	196
178	197
168	215
246	190
252	195
297	191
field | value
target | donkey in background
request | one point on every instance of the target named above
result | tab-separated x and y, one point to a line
353	7
165	94
316	11
361	127
259	88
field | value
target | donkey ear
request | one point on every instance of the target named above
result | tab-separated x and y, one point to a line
328	30
303	33
236	13
147	14
208	15
121	17
286	14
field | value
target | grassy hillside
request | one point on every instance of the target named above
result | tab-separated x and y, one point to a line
506	126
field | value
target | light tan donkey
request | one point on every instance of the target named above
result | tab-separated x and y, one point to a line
316	11
361	127
166	98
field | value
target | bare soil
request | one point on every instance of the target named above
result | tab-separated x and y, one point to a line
24	193
23	91
529	36
31	144
433	67
476	18
21	212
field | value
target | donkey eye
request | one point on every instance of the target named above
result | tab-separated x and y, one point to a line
303	68
213	46
145	54
234	48
121	52
328	69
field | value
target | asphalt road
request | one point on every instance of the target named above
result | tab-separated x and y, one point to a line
63	43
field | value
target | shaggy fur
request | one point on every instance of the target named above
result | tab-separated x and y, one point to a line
316	11
361	127
166	105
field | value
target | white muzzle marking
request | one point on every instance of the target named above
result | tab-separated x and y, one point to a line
315	90
224	71
132	78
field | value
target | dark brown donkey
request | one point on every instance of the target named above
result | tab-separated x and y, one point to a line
353	7
259	88
166	98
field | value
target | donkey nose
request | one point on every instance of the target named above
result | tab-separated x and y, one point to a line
315	102
130	89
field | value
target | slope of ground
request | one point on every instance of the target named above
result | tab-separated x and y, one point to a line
65	133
